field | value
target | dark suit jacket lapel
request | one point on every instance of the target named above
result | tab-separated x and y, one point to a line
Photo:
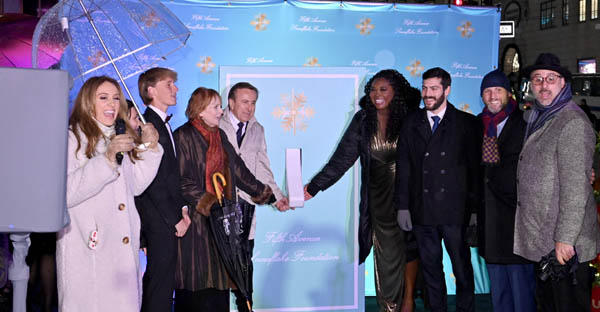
507	130
448	119
163	132
423	127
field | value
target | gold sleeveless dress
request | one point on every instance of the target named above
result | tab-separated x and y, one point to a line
389	247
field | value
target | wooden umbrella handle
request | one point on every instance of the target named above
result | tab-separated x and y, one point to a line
219	176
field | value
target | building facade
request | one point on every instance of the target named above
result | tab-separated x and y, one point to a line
568	28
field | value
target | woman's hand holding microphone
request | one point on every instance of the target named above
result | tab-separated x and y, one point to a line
121	143
124	143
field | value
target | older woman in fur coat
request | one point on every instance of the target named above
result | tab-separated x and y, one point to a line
97	253
202	282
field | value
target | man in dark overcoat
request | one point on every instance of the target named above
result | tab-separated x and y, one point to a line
512	278
438	187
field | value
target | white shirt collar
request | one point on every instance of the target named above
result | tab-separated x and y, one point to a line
160	113
440	114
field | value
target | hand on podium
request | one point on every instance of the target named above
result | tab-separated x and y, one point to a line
283	204
307	196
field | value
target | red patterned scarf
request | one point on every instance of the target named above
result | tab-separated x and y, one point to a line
490	155
215	155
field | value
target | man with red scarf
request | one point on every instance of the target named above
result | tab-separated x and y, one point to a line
512	278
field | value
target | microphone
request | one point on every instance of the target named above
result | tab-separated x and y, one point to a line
120	128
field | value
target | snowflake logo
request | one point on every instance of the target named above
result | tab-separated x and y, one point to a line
365	26
466	108
294	112
261	22
151	19
312	61
415	68
97	58
466	29
206	65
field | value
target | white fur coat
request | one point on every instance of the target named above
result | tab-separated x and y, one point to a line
100	198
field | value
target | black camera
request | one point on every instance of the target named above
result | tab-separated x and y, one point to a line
550	268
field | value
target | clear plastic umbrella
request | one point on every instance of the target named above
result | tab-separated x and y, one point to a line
116	38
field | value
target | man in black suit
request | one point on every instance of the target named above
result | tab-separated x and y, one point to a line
163	210
437	187
512	278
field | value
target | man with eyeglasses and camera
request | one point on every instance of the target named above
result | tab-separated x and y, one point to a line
556	210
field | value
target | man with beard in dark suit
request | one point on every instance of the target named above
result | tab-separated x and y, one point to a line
163	210
437	187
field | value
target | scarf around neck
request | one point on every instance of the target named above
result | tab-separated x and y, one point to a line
215	155
541	114
107	133
490	154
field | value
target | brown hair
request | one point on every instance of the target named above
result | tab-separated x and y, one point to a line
199	100
82	116
150	77
437	72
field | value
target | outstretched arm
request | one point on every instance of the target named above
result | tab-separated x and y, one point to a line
344	157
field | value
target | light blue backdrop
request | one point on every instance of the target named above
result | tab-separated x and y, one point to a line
306	259
409	38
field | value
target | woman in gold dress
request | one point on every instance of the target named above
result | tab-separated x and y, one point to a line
372	136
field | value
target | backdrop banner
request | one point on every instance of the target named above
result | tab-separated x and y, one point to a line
307	259
410	38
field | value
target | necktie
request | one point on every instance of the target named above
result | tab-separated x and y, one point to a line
168	118
436	123
239	133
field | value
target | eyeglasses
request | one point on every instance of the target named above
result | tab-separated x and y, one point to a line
550	79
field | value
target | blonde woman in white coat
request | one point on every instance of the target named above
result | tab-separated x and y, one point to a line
97	253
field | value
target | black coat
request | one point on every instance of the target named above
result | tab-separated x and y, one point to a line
438	176
353	145
496	218
199	264
160	204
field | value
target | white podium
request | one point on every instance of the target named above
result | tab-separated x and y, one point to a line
293	176
33	136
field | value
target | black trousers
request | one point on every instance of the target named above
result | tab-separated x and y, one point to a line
563	296
240	301
159	278
205	300
429	240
